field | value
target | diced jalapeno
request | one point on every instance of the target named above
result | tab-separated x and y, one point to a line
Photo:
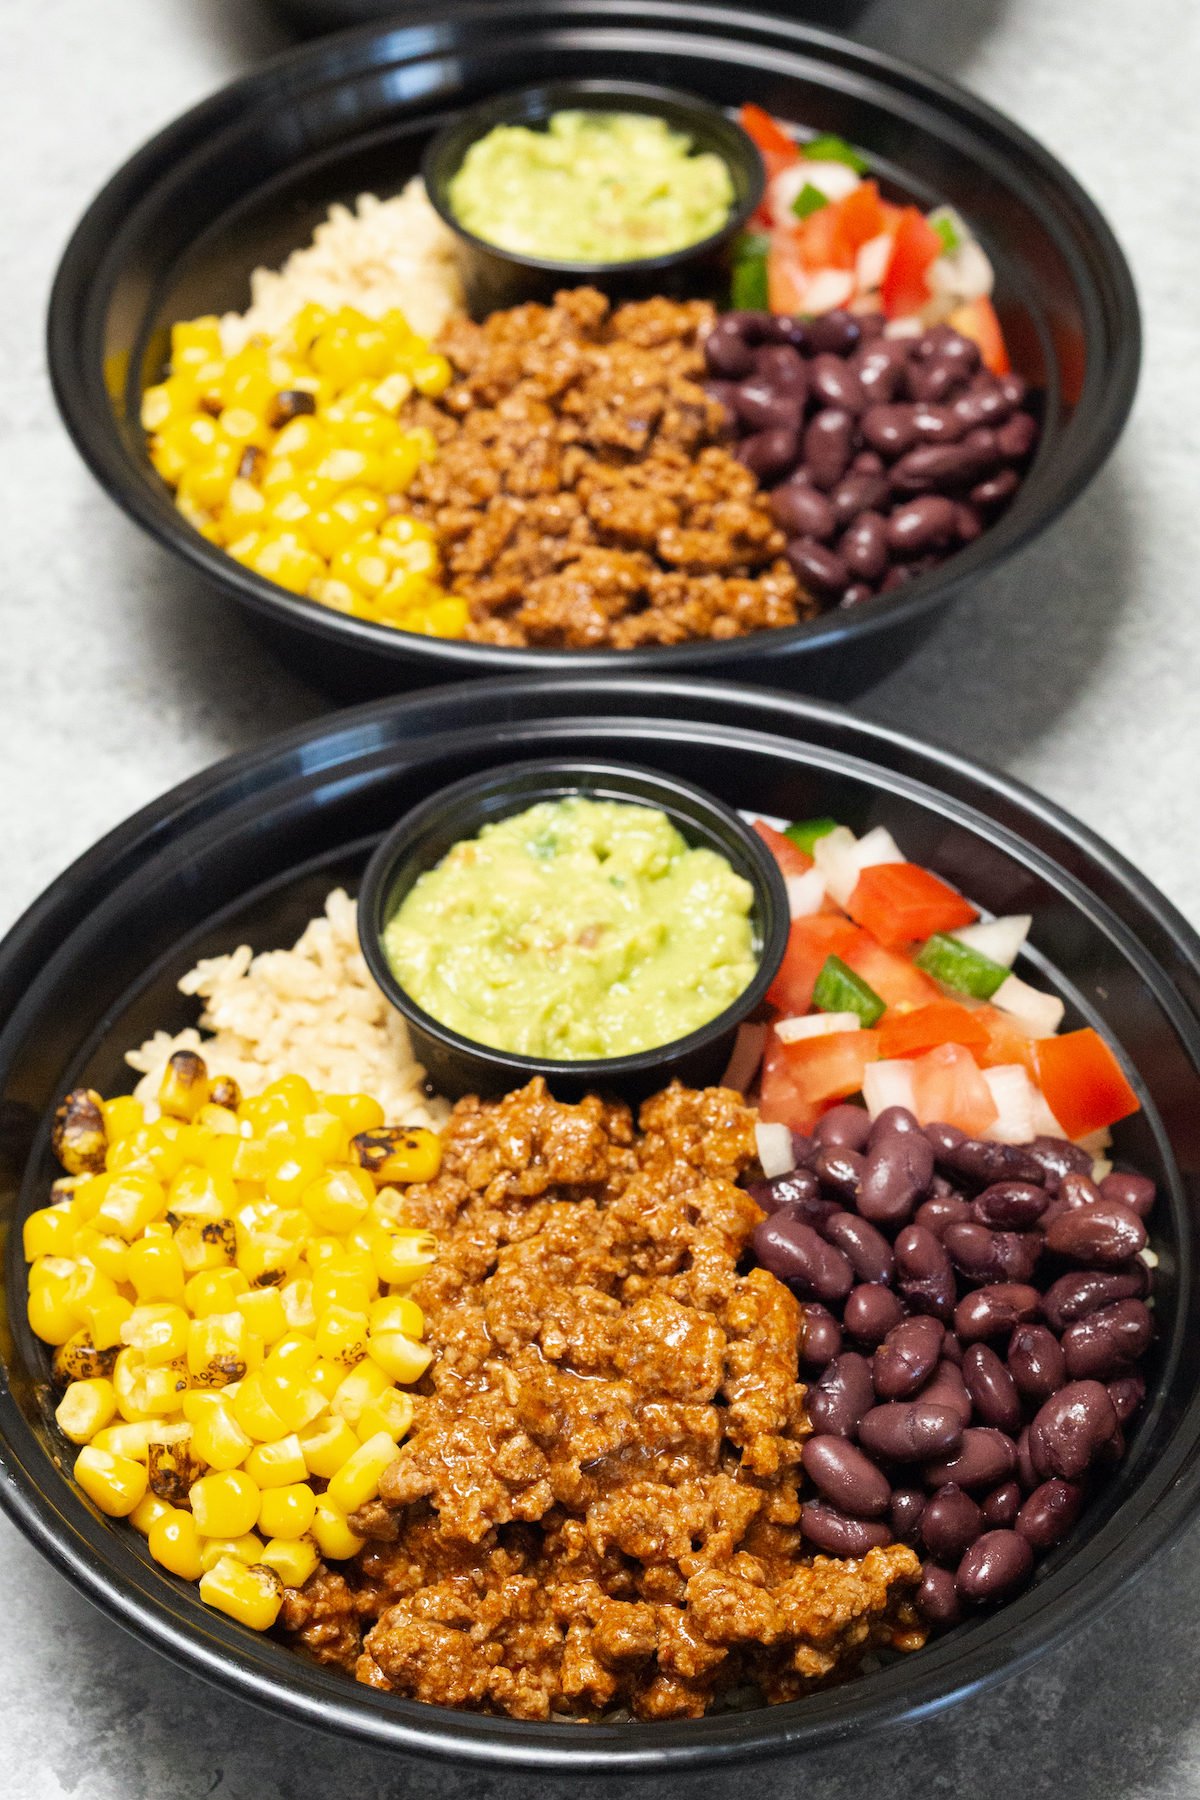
839	989
830	148
809	200
805	832
960	967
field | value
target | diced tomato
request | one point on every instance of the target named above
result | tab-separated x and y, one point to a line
830	1067
891	975
780	1101
905	288
791	858
777	148
860	216
820	243
978	322
899	902
948	1089
1006	1042
1083	1083
787	280
941	1022
810	941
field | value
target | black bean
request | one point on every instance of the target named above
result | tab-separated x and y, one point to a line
1001	1507
952	1350
870	1313
864	548
857	493
937	1598
1036	1362
907	1506
1017	438
836	1534
803	511
980	1160
869	1251
942	343
856	593
723	393
945	1139
1071	1429
828	441
946	1387
761	408
992	1389
1010	1205
821	1336
753	327
792	1189
993	1256
835	331
996	491
1078	1190
844	1128
942	1210
1137	1192
1014	387
871	325
805	1150
1049	1513
1057	1157
890	429
840	1170
932	468
997	1565
933	1295
899	1168
993	1310
881	368
782	367
906	1431
922	524
1127	1394
1099	1347
769	454
835	383
937	425
939	379
898	576
796	1254
836	1402
891	1122
984	1458
950	1523
1103	1235
967	522
907	1358
1027	1475
726	351
843	1474
816	566
1073	1297
984	403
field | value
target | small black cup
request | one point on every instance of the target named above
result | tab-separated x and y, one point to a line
457	1065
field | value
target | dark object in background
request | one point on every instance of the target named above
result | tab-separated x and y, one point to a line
313	17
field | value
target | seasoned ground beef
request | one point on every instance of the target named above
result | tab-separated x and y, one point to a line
597	1506
583	492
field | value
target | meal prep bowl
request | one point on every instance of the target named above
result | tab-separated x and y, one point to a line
243	178
246	853
312	16
455	1064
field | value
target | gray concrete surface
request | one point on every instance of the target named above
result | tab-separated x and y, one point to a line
1073	668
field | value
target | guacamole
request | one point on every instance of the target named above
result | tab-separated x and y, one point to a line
593	187
580	928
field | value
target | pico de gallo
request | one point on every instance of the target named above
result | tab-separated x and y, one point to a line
894	988
824	237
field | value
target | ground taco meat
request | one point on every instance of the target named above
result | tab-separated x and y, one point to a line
580	492
597	1507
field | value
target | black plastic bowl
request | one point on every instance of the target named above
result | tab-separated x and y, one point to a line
246	854
458	1065
243	178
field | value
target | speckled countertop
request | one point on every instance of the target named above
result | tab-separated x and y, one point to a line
1074	668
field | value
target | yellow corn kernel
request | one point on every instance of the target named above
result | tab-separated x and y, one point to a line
342	1335
293	1559
398	1356
264	1258
155	1268
324	1134
86	1198
358	1112
243	426
290	1171
336	1201
446	617
195	341
49	1232
255	1414
295	1354
175	1543
85	1409
246	1549
198	1193
335	1539
341	1287
324	1254
251	1595
214	1291
398	1153
104	1315
431	375
160	1331
205	483
397	1313
357	1481
114	1483
286	559
326	1377
122	1116
263	1312
341	597
133	1199
390	1412
217	1120
51	1316
224	1505
144	1392
362	564
401	1256
358	1389
131	1439
216	1349
148	1509
79	1360
184	1086
217	1438
358	1261
287	1512
303	441
291	1396
327	1444
297	1305
390	394
277	1465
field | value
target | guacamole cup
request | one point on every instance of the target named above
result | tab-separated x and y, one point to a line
456	1064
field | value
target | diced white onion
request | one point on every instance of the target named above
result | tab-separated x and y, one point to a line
748	1047
879	846
1039	1014
806	893
836	855
1044	1122
828	289
963	275
1096	1141
775	1151
998	938
833	179
1015	1097
790	1031
888	1084
770	819
872	260
1100	1170
910	326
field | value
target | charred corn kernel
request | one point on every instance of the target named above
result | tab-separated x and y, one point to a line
184	1086
287	1512
357	1481
297	1305
334	1536
265	1259
160	1331
85	1409
51	1316
251	1595
263	1312
335	1200
397	1314
358	1112
148	1509
399	1356
205	1244
342	1335
402	1257
217	1438
155	1268
277	1465
339	1287
173	1462
224	1505
223	1091
175	1543
390	1412
113	1483
49	1232
326	1377
131	1439
326	1445
214	1291
145	1392
216	1349
79	1134
397	1153
294	1354
200	1194
325	1135
293	1559
79	1360
358	1389
245	1549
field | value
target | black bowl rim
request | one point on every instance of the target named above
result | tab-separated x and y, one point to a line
30	1488
605	1071
84	277
494	112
